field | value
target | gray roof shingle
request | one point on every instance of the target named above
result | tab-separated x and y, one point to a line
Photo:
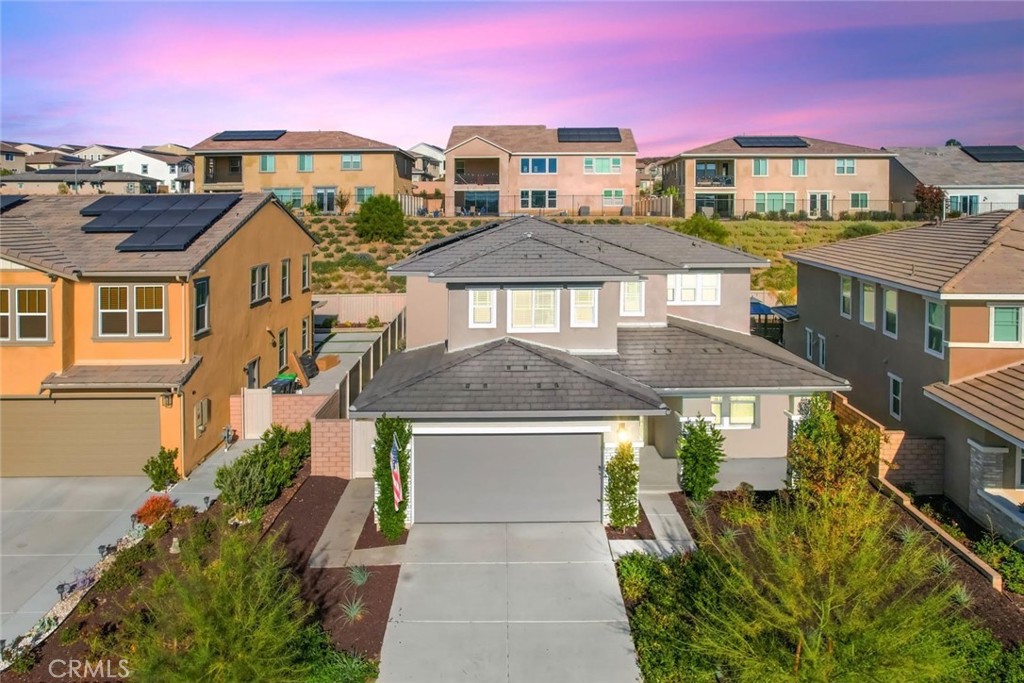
995	399
537	139
952	167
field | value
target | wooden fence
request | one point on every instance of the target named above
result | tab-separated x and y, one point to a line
358	308
653	206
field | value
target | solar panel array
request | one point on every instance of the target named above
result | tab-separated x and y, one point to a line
988	154
589	135
770	141
65	169
229	135
157	222
9	200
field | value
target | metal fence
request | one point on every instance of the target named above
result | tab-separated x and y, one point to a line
784	205
554	203
331	202
358	308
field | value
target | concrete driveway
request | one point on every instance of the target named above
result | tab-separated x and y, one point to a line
50	526
508	603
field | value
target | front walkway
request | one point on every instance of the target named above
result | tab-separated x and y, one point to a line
336	547
508	603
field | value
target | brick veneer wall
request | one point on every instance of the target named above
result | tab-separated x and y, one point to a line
332	448
293	410
235	414
905	459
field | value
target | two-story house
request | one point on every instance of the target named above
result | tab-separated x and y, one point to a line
510	170
13	158
98	152
127	322
534	348
165	169
429	163
790	174
926	323
76	180
333	169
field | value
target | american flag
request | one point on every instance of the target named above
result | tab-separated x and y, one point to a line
396	474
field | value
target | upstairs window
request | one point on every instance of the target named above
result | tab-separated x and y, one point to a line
602	165
538	165
259	287
584	307
867	304
351	162
533	310
113	311
305	272
282	349
846	166
631	299
286	278
5	314
935	328
201	319
1007	325
268	163
890	312
695	289
895	396
845	296
808	343
149	311
760	168
32	314
305	163
799	169
145	169
483	308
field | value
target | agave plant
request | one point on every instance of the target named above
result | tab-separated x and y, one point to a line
358	575
353	610
944	564
961	596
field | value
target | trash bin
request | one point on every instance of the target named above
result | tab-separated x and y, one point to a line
279	385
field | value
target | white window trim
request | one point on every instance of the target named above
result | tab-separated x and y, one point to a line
132	304
611	165
1019	480
753	167
726	421
272	164
537	330
643	300
298	162
127	312
613	200
867	201
992	326
286	279
895	334
355	162
783	193
874	305
304	336
822	350
529	165
255	295
494	309
842	280
700	280
798	175
572	306
809	343
15	328
282	349
306	267
838	159
942	352
897	378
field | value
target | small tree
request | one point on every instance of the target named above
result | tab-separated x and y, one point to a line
341	200
930	200
380	219
700	226
162	469
700	455
390	520
623	479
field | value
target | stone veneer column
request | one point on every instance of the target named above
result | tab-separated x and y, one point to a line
986	472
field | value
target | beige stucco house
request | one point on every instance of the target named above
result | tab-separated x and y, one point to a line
780	174
77	180
335	170
510	170
13	158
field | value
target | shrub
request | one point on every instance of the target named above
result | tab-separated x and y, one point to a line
126	568
182	514
154	509
374	322
859	230
161	469
700	226
240	618
623	478
327	665
199	539
636	571
389	431
158	529
1005	559
380	219
259	475
700	455
312	209
930	200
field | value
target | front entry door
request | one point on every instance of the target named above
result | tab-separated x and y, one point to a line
819	204
252	374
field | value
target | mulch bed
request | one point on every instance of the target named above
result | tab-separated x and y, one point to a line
274	509
302	521
640	532
370	537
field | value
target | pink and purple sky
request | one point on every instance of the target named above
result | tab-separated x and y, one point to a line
679	74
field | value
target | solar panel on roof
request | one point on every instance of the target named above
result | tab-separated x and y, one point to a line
988	154
162	222
236	135
102	204
589	135
9	200
770	141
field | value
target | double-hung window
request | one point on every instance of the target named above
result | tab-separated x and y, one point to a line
890	313
31	314
286	278
202	306
822	356
734	412
584	307
895	396
774	201
846	166
935	328
538	165
867	304
351	162
695	289
612	198
760	168
809	343
305	272
113	311
305	336
149	311
533	310
538	199
483	305
1020	467
259	284
1007	325
799	169
282	349
144	169
5	314
305	163
602	165
363	193
268	163
858	200
845	296
631	299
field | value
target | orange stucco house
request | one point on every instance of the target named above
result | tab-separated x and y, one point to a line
124	327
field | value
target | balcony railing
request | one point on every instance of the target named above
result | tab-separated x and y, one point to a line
223	177
716	181
477	178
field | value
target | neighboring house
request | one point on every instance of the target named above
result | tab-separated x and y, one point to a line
780	174
975	179
30	148
98	152
433	156
533	348
13	158
169	148
329	168
165	169
926	323
44	160
510	170
425	168
649	174
76	180
113	344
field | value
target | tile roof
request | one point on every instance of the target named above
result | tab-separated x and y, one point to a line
299	140
951	166
157	376
526	139
690	356
57	219
815	147
52	158
10	149
995	399
981	254
52	176
502	377
528	248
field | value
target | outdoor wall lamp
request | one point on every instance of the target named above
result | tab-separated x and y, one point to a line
623	433
273	339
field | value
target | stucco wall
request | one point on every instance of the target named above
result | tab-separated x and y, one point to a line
970	324
732	313
426	310
769	438
23	365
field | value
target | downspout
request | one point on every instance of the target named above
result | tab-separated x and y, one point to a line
183	280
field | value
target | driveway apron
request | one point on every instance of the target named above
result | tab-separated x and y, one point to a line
508	603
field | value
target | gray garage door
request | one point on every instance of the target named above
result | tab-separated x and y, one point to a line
77	437
507	478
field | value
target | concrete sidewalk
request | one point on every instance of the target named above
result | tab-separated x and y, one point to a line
670	533
199	484
336	547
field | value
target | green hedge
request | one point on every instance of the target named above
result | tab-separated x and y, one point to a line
262	472
391	521
623	479
700	455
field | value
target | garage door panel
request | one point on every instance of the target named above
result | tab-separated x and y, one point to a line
83	437
507	478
